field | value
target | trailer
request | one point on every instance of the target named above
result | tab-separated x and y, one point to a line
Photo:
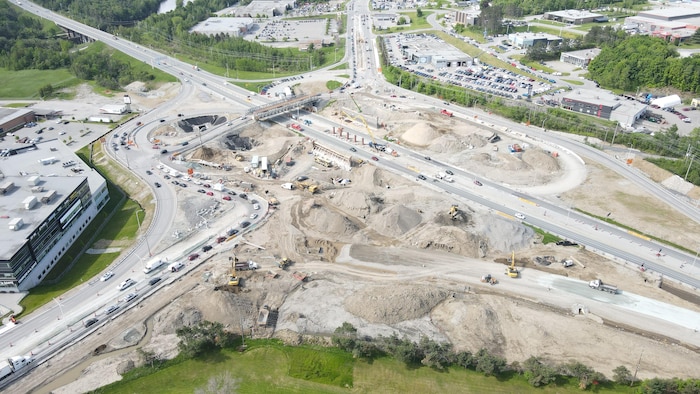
14	364
246	266
599	285
153	265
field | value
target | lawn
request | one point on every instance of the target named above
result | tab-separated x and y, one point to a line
270	367
25	84
416	23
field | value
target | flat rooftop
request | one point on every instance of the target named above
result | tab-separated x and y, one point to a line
575	14
594	97
19	168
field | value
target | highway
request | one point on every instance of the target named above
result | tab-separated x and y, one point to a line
38	329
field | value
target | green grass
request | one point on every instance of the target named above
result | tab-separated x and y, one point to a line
547	238
332	85
416	23
573	81
254	87
342	66
271	367
25	84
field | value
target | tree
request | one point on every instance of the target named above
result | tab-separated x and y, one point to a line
489	364
345	337
419	12
695	38
537	373
585	374
223	383
205	335
622	375
401	21
436	355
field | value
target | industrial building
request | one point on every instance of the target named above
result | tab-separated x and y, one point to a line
427	49
580	58
575	17
12	119
527	40
672	23
467	18
47	199
604	105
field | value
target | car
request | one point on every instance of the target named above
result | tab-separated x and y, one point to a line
111	309
206	248
476	182
448	172
353	150
162	120
302	178
520	216
39	131
245	224
50	128
421	177
180	115
193	256
243	196
210	193
566	243
208	186
375	158
201	191
253	216
427	158
61	132
129	297
157	184
148	172
256	206
164	151
106	276
232	232
220	240
227	198
231	193
126	284
182	184
166	176
90	322
154	280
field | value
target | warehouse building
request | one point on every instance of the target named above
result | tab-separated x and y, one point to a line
47	199
427	49
580	58
575	17
604	105
527	40
672	23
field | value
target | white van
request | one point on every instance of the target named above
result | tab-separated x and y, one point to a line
176	266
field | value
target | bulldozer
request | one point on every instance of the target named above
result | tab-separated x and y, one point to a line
511	270
489	279
284	263
307	185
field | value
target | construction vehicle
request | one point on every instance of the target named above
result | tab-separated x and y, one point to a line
515	148
446	113
511	270
233	279
489	279
239	157
284	263
599	285
454	212
307	185
300	276
14	364
246	265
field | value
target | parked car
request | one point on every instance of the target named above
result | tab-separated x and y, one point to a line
148	172
220	240
210	193
157	184
254	216
448	172
245	224
227	198
476	182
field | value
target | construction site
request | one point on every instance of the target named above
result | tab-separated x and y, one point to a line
345	241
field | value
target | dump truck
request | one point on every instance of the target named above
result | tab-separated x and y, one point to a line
446	113
246	265
489	279
13	365
599	285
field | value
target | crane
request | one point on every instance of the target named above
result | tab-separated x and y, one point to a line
511	270
373	143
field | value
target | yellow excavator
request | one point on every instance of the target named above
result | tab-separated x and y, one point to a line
284	263
233	280
511	270
308	185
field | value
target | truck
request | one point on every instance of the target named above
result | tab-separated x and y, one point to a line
599	285
246	265
153	265
14	364
446	113
288	186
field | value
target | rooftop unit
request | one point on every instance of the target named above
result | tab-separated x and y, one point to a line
16	224
6	187
48	196
30	202
33	180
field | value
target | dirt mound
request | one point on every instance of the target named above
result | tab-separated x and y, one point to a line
493	231
454	144
315	214
540	161
394	304
449	239
397	220
421	134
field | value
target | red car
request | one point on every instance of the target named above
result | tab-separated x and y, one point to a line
193	256
227	198
477	182
375	158
220	240
210	193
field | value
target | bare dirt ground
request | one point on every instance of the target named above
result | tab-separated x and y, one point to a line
391	260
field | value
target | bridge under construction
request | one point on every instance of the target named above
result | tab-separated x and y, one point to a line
271	110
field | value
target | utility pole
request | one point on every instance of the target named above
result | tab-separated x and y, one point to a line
634	377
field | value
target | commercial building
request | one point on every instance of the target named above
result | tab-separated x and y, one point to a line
12	119
467	18
675	23
527	40
234	27
604	105
574	17
580	58
47	199
430	50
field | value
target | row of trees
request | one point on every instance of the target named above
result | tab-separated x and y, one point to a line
645	61
104	14
520	8
596	37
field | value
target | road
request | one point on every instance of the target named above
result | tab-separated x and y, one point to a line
87	300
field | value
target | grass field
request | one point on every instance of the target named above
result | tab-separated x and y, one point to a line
25	84
270	367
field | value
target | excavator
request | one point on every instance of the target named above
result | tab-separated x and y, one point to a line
454	212
511	270
233	280
284	263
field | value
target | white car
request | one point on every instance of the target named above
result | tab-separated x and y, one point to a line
256	206
520	216
130	297
126	284
106	276
254	216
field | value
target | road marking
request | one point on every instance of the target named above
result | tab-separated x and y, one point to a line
505	215
414	169
636	234
527	201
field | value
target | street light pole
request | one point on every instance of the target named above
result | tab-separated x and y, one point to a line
145	238
545	119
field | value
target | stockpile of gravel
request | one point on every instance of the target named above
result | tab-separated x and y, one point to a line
394	304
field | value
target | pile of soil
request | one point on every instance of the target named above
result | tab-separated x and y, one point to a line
394	304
